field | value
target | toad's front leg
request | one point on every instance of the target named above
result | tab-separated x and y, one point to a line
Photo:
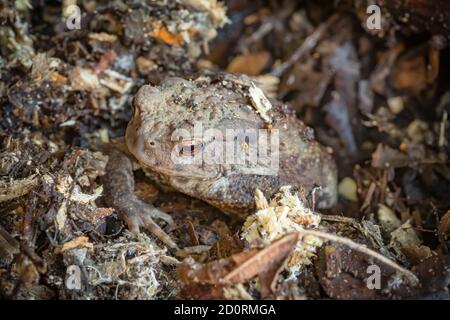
119	194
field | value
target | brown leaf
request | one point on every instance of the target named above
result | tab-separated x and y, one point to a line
101	213
251	64
105	61
444	225
226	246
81	241
160	32
410	74
434	65
336	269
383	70
434	275
239	268
8	246
417	254
17	188
385	156
444	230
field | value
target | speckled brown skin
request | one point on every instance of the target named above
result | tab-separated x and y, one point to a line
221	103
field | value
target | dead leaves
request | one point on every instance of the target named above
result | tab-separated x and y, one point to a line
8	247
79	242
343	274
17	188
211	279
386	156
162	33
251	64
444	229
413	73
410	74
342	270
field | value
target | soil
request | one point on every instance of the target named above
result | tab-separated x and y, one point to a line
378	99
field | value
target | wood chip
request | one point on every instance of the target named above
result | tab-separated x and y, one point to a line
17	188
79	242
260	103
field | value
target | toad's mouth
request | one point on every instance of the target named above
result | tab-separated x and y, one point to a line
191	173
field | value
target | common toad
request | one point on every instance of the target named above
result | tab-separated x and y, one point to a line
163	136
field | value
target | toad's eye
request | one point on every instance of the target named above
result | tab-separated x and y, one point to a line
190	147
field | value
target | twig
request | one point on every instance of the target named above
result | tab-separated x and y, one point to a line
442	130
8	245
411	277
340	219
307	45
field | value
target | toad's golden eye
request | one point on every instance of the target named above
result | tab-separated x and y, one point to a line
190	147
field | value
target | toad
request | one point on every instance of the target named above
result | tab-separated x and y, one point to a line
217	139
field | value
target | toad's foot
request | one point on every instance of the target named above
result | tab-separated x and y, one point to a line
119	194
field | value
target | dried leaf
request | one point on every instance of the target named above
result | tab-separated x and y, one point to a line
444	225
417	254
61	216
410	74
84	79
79	242
80	197
8	246
17	188
105	61
251	64
385	157
341	273
102	36
160	32
285	214
116	81
239	268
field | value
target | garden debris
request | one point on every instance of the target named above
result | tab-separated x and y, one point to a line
161	32
17	188
348	189
81	241
259	101
444	227
285	214
387	218
345	274
8	247
84	79
251	64
212	279
130	263
215	9
404	238
378	99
